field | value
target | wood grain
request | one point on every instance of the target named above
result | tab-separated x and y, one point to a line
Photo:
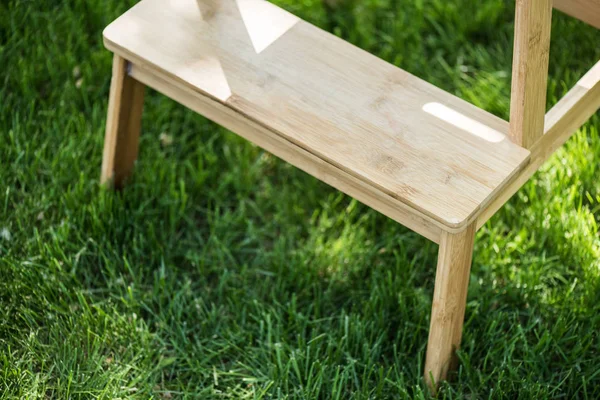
122	125
449	302
289	152
586	10
530	70
438	155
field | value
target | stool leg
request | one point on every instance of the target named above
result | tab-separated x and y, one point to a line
449	302
122	125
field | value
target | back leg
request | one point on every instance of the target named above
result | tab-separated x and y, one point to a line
122	125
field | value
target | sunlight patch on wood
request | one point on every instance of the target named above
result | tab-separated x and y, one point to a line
463	122
264	23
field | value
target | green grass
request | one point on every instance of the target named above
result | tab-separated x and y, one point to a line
223	273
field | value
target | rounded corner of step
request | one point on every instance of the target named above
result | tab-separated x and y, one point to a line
107	36
454	224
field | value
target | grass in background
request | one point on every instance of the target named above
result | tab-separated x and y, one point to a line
222	272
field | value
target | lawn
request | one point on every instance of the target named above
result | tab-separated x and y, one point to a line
220	272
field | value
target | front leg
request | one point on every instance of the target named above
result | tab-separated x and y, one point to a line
449	302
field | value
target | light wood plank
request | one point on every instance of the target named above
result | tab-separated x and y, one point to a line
449	302
586	10
122	125
576	107
288	151
530	70
440	156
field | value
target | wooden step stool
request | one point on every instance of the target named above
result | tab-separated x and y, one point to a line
419	155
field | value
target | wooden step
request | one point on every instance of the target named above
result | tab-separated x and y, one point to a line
398	136
586	10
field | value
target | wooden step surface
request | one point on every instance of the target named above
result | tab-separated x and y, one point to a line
440	156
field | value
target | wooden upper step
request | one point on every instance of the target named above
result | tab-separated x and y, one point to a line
586	10
437	154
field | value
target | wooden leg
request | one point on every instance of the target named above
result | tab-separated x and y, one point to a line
449	301
122	125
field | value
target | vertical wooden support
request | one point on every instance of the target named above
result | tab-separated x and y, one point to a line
122	125
449	302
530	70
